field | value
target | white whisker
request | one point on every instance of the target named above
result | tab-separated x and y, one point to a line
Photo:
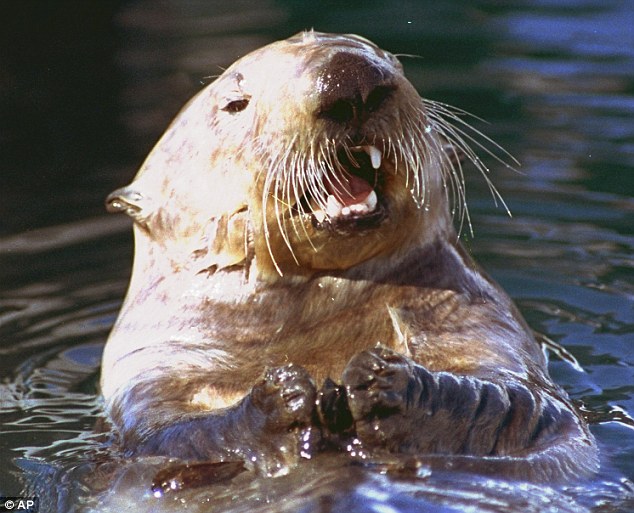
433	138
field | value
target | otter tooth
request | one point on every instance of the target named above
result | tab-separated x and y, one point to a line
320	215
375	155
368	205
371	201
333	207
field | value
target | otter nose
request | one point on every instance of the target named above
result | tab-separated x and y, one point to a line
351	87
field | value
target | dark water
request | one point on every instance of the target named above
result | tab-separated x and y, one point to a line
87	87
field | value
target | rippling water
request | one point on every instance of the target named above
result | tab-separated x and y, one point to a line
86	92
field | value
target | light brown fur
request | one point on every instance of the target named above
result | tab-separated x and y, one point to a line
230	278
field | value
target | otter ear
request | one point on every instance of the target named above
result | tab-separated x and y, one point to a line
127	200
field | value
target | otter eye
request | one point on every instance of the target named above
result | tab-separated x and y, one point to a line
238	105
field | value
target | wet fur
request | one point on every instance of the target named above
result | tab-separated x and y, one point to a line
231	277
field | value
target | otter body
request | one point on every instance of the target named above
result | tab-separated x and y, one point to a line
297	278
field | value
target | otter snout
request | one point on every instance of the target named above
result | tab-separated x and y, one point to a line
351	87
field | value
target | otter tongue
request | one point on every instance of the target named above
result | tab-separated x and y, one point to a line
350	190
349	195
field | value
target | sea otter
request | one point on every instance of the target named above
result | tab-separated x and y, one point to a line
298	278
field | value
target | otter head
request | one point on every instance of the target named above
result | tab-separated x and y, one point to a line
314	153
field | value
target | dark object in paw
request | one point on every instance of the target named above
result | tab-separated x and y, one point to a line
332	408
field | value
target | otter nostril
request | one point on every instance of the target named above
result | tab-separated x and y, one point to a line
377	97
340	111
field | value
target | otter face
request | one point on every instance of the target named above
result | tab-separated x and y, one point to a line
346	160
311	153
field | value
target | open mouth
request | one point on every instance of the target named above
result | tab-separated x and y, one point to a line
352	192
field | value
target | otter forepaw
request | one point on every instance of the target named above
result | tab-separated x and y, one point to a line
286	397
276	421
379	385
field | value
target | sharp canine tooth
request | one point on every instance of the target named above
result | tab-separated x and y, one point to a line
333	207
371	201
375	155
